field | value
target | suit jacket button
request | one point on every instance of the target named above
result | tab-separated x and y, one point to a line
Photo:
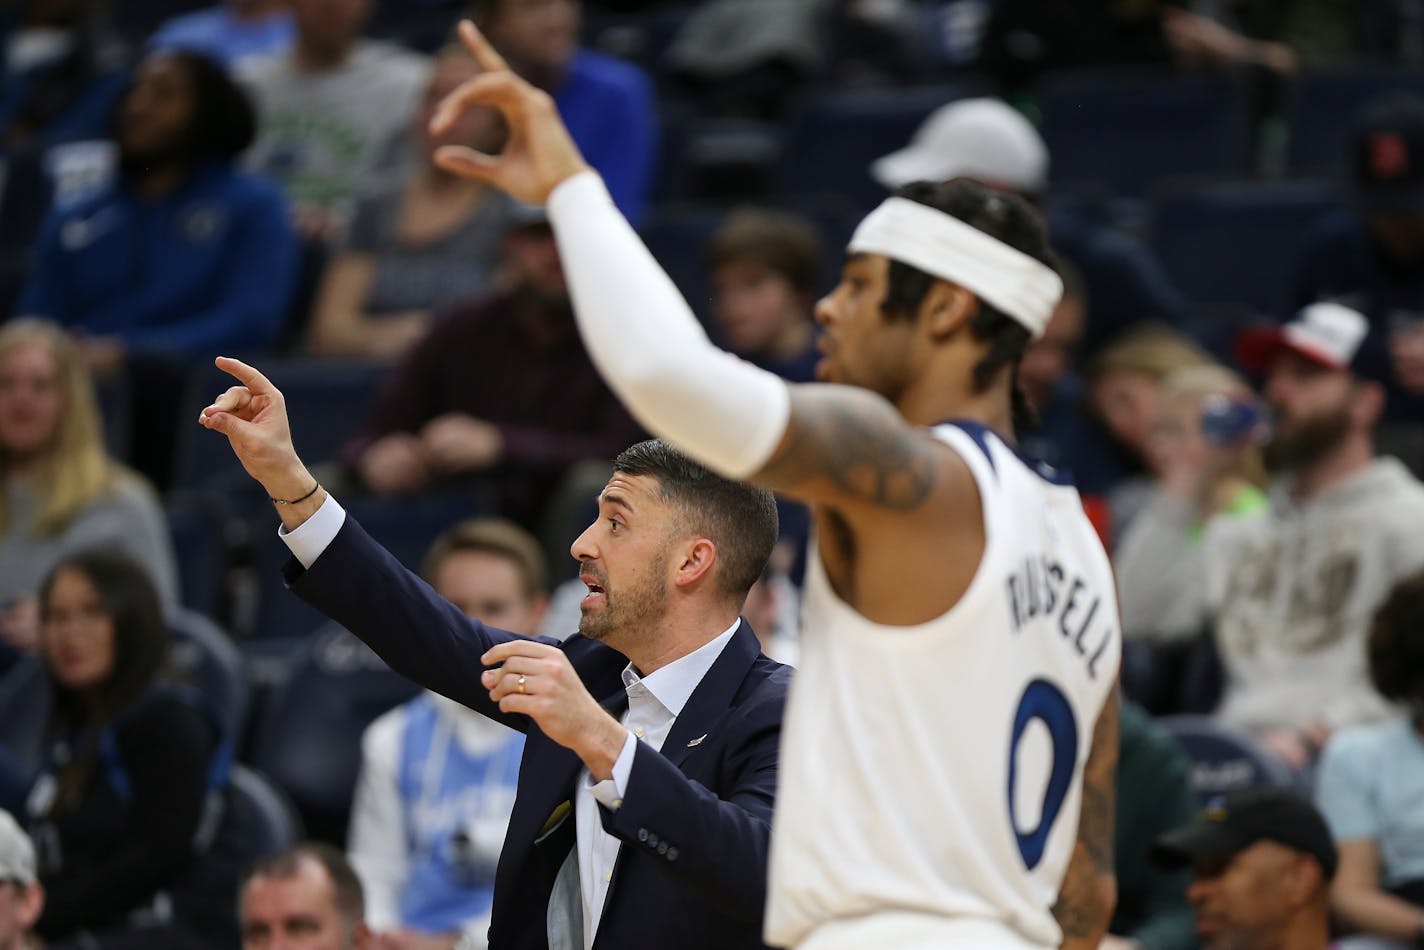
663	848
652	841
672	854
642	834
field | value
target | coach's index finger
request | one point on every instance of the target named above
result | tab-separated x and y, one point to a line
485	54
511	648
256	383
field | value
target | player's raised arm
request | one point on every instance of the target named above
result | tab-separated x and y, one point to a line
830	444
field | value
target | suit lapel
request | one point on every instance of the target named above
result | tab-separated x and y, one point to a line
713	695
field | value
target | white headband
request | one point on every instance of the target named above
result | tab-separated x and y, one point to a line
942	245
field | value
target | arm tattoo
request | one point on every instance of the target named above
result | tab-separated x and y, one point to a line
1080	910
858	443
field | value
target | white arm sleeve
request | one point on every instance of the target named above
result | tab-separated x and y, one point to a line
649	347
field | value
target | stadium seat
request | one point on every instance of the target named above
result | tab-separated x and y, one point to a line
833	138
265	816
136	22
24	707
1238	242
1321	109
209	661
1224	759
309	739
198	529
327	400
1129	132
405	526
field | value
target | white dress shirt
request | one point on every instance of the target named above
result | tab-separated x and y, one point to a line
654	703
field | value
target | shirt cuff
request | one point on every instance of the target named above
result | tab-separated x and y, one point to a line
609	792
309	539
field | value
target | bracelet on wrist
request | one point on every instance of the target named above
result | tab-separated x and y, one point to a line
279	501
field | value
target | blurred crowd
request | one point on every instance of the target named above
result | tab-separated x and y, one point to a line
1234	378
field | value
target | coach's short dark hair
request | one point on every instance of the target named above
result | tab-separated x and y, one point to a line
739	519
346	886
1396	642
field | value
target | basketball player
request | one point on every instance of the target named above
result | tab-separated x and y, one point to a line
947	768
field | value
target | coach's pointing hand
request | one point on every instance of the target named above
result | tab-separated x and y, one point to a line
539	153
253	416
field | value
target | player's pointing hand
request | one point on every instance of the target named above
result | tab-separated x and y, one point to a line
539	153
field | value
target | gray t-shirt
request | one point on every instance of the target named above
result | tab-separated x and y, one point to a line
127	519
420	277
1293	594
321	134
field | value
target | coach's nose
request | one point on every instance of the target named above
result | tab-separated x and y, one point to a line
583	548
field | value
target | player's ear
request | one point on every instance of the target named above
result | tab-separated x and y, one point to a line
947	307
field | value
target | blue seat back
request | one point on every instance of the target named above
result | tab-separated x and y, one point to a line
1322	106
1224	759
1129	132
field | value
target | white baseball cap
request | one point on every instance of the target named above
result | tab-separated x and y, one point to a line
17	854
984	139
1326	333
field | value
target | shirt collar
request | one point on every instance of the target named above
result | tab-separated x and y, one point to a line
672	685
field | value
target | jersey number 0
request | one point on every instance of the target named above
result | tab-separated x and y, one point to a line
1045	702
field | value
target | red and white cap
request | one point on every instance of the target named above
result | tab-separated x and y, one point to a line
1331	334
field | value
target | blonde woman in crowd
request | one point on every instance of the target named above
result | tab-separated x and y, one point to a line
1205	449
1125	392
60	491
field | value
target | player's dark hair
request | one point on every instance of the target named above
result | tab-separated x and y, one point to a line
223	123
1007	218
739	519
1396	643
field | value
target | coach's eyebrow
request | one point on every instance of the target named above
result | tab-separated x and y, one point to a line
613	498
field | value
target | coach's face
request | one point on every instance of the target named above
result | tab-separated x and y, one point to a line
626	560
861	345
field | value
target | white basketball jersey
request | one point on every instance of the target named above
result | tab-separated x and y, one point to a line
931	775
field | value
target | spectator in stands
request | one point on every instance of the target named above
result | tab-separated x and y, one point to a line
1025	38
417	242
1373	258
232	32
328	111
307	896
437	779
990	142
608	105
118	812
1292	593
1125	391
1371	782
500	388
60	73
21	894
184	254
1262	861
764	269
1206	453
1154	796
1065	436
60	492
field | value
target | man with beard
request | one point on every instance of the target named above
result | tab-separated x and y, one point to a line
500	388
183	254
642	815
1293	592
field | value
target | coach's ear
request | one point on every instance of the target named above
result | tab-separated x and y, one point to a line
946	308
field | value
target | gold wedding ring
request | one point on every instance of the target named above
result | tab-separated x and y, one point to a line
521	684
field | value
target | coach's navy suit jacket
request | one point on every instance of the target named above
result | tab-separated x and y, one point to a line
695	820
